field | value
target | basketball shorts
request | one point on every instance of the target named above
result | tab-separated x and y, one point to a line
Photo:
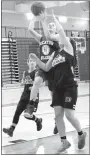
65	98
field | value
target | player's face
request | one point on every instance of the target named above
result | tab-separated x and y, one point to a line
31	63
52	27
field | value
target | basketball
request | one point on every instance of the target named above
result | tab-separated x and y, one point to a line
37	8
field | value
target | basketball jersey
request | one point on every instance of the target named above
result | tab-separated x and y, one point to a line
62	56
29	78
63	74
47	47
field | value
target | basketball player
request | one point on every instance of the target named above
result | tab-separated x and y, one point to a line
64	87
27	80
47	50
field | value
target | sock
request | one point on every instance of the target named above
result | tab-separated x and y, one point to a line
64	137
36	119
13	127
14	124
80	133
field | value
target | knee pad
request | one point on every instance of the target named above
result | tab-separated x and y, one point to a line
36	105
30	107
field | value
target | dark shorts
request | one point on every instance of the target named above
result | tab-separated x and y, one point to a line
65	98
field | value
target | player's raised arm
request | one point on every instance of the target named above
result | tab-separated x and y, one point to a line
37	8
62	36
36	35
43	16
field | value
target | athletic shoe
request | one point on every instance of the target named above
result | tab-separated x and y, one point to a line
65	145
39	124
81	140
9	131
55	131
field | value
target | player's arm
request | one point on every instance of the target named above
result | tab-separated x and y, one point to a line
61	36
35	35
23	79
45	30
46	67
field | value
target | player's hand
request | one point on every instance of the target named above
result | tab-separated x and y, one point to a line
33	56
42	16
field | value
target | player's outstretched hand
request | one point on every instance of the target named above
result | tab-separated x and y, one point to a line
33	56
41	17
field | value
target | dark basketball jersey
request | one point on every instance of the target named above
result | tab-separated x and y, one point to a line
62	56
47	47
29	78
63	75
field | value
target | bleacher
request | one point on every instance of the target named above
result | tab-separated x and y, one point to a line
9	59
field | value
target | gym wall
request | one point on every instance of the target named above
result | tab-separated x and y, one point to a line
18	25
20	20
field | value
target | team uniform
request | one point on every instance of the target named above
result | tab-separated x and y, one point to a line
25	97
64	85
46	49
23	102
60	77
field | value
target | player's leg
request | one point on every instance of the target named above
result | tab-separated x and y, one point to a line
55	131
35	88
36	103
59	114
37	120
34	91
70	100
59	117
20	108
33	117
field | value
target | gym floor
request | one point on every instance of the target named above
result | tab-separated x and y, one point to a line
26	140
